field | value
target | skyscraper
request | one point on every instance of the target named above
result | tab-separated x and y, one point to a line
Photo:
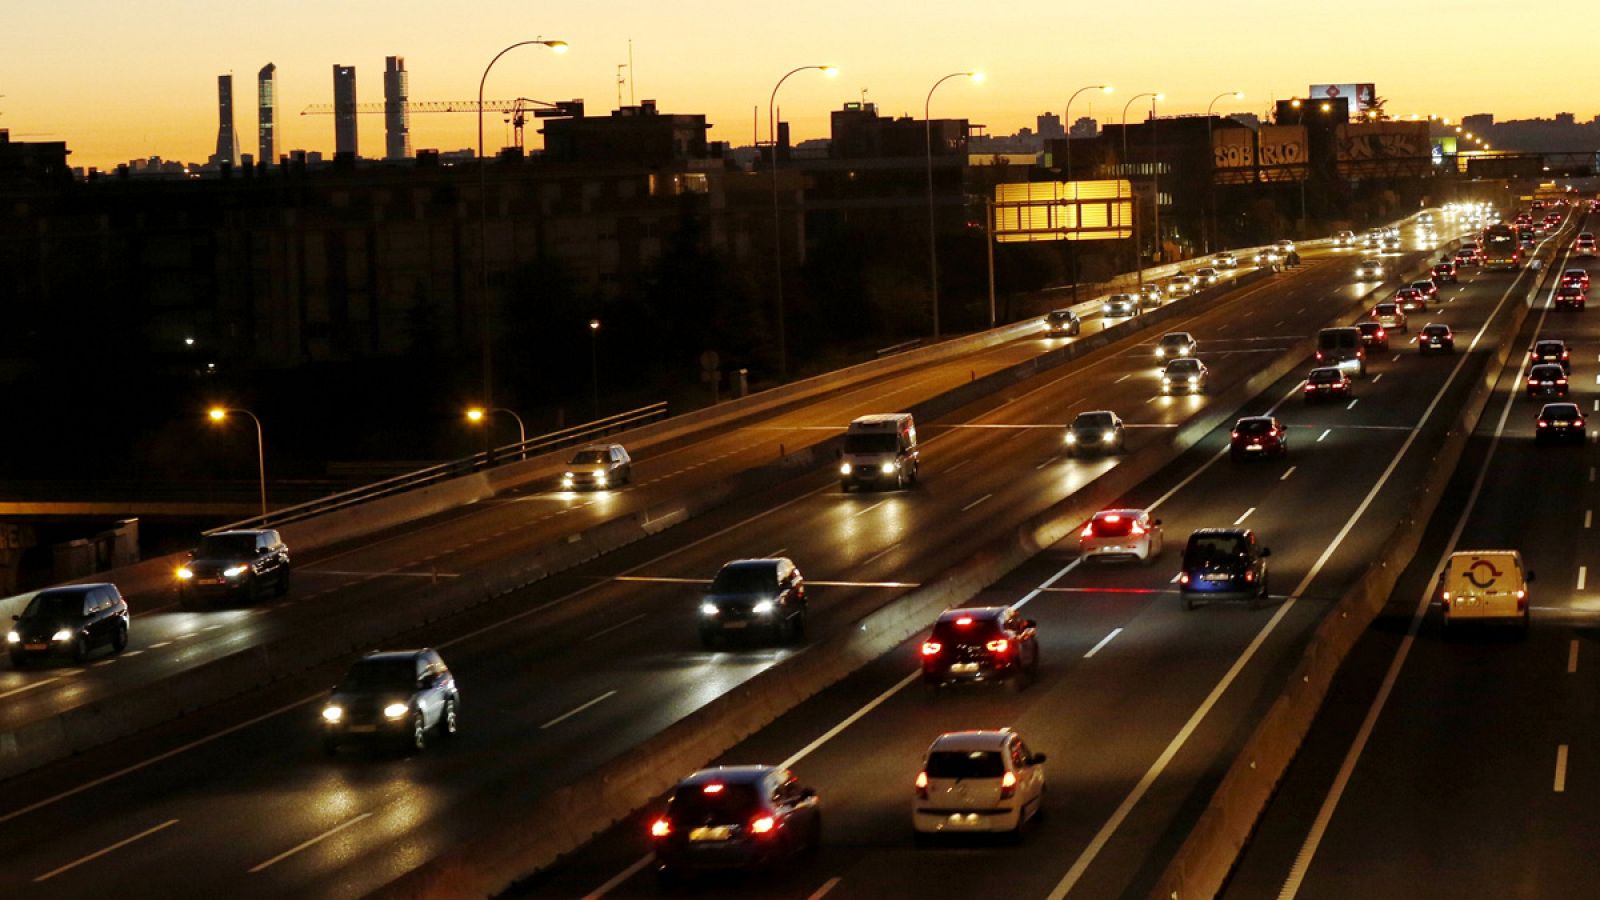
267	109
227	145
344	110
396	115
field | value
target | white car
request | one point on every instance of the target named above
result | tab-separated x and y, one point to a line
1226	261
1369	270
1119	305
1206	276
1284	247
977	782
1344	239
598	467
1181	285
1185	375
1175	344
1268	256
1121	534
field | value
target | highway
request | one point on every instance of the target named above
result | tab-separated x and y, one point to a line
1140	705
1459	767
563	675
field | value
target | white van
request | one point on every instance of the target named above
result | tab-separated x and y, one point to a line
879	450
1485	585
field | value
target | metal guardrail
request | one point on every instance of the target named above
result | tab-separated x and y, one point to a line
410	481
901	347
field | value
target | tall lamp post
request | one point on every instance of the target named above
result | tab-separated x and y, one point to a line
933	240
777	219
1211	183
594	363
478	415
485	323
1072	246
1154	96
220	414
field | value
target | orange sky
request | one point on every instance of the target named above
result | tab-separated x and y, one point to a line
118	79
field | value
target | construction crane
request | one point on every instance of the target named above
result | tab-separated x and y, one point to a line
515	110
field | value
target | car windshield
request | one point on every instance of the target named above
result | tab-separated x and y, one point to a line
1254	426
1213	548
730	804
1435	330
1092	420
1387	309
1324	376
1546	373
1121	298
976	630
1370	327
371	675
226	546
1184	366
1422	285
54	605
1545	348
744	580
960	764
1560	411
871	442
1174	340
590	457
1061	315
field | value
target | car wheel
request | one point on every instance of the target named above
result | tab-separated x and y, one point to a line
449	721
798	625
1522	628
419	734
1188	601
80	650
282	587
119	639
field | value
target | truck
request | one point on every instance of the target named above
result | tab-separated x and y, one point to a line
1501	248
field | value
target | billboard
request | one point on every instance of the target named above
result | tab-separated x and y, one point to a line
1063	211
1381	141
1281	150
1233	148
1362	97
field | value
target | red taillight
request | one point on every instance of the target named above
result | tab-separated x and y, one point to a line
998	645
1183	578
660	828
712	788
1309	388
1578	423
931	648
1543	424
1319	355
1381	332
1088	530
1532	381
1249	575
763	825
1522	601
964	620
1561	381
1008	785
922	785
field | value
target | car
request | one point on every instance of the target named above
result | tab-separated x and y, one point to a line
1411	299
1369	269
1063	323
1373	242
69	621
1430	290
1223	563
1465	257
987	644
1151	295
1176	344
1390	316
240	562
731	818
1571	296
397	697
1547	380
597	467
1226	261
1206	276
1342	346
977	782
1584	245
1522	219
1485	586
1255	437
1551	350
1575	278
1268	256
880	450
1284	247
1391	244
1181	285
1094	431
1119	306
1344	239
1113	534
1436	337
1559	421
1373	335
1328	383
1185	375
1445	271
754	596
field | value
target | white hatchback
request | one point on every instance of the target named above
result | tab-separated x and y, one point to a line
1121	534
978	781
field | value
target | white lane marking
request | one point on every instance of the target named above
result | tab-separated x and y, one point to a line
1045	463
1175	578
102	663
1597	405
1583	575
99	853
1591	473
159	645
617	879
1376	378
133	653
976	502
305	844
777	553
879	555
665	579
1103	641
827	886
347	573
27	687
1325	433
1240	520
1396	358
1319	825
1285	475
963	462
1588	518
1572	657
610	628
1353	403
860	513
1123	378
1561	769
578	709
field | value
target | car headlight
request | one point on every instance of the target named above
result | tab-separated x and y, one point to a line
234	571
1165	380
1072	438
846	468
600	478
888	467
763	608
566	477
1194	379
332	713
13	638
708	609
395	711
1109	437
1160	352
185	573
62	636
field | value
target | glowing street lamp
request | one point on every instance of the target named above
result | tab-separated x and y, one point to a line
477	415
933	239
218	415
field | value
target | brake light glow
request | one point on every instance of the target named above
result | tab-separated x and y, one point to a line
763	825
1183	578
1113	518
998	645
1543	423
1561	381
1579	422
712	788
660	827
1380	332
1008	785
931	648
922	785
964	620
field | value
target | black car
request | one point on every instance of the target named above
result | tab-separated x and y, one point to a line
1436	338
240	563
1094	431
735	817
1547	380
981	644
69	621
1328	383
1223	563
1559	422
1063	323
1551	350
398	697
1445	271
1373	335
754	596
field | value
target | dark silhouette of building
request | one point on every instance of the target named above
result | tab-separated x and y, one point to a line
860	133
633	134
396	114
344	111
1048	125
32	162
227	140
267	113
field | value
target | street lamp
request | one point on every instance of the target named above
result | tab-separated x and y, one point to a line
478	415
1154	97
1072	246
483	219
933	244
1211	185
218	415
594	362
777	220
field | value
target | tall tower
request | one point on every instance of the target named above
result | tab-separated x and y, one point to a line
344	110
227	145
267	108
396	115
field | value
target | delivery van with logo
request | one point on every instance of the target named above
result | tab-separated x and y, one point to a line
1485	586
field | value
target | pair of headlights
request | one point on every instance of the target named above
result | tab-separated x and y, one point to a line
764	608
186	573
1110	437
887	468
60	637
333	713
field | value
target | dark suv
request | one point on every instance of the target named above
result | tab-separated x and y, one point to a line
69	621
238	563
399	696
981	644
754	595
1063	323
1223	563
1094	431
735	817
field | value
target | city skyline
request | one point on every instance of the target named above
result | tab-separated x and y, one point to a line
723	61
